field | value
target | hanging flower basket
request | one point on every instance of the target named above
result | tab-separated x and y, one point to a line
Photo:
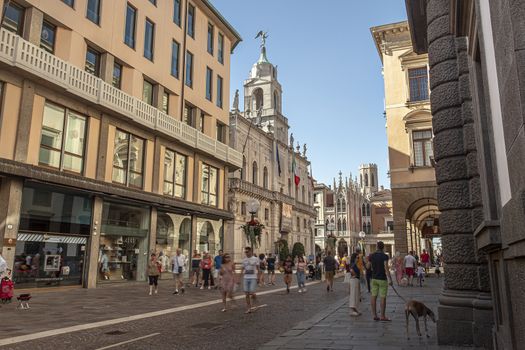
253	231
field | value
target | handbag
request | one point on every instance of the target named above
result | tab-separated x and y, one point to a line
179	270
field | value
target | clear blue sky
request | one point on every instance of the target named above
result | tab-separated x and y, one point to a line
330	72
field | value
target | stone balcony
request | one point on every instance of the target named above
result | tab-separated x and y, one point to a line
17	52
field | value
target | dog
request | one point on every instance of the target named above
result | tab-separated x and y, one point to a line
417	310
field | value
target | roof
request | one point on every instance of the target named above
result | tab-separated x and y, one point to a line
223	20
377	32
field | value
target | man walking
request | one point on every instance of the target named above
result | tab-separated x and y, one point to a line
425	260
270	261
410	267
381	278
329	267
217	262
250	269
178	264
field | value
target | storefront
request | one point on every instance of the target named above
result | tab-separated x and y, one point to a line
173	232
52	237
123	246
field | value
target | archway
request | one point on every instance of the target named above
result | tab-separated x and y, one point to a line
185	235
258	98
206	238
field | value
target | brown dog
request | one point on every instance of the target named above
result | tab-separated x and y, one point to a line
417	310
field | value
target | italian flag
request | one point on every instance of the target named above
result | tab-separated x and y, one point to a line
296	177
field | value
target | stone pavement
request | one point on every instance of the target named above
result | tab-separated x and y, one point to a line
334	328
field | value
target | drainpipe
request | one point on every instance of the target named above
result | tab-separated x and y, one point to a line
183	70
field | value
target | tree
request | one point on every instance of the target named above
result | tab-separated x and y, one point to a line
297	250
282	248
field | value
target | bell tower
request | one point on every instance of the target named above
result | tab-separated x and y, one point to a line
368	179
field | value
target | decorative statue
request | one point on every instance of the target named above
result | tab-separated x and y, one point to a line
298	148
291	140
304	150
330	243
236	101
263	36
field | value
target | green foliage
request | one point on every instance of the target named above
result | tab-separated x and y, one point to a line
298	249
284	251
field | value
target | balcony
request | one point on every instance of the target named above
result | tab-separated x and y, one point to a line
20	53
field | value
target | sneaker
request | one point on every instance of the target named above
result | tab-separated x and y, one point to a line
156	291
176	291
149	293
201	287
209	287
300	290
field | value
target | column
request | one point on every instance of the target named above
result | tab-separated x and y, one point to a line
33	25
107	63
152	231
10	205
24	121
93	247
465	307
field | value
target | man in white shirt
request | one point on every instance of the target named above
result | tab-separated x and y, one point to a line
178	263
250	270
410	266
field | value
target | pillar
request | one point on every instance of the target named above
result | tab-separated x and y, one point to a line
10	205
24	121
33	25
465	309
92	253
107	63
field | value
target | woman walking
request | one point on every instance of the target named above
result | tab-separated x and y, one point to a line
301	268
288	271
206	265
262	269
355	290
195	268
153	273
227	273
398	266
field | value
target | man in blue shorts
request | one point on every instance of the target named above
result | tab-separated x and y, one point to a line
250	270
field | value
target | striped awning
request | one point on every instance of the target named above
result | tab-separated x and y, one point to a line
35	237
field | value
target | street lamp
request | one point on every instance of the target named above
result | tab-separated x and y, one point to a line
253	206
362	236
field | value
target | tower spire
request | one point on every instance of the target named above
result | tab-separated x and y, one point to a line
263	36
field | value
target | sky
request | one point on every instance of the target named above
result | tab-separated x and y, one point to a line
330	73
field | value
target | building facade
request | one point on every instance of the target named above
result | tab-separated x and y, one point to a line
114	136
320	229
475	51
410	135
378	208
261	134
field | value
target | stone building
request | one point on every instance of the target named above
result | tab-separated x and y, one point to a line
378	209
320	195
410	135
260	133
477	75
114	136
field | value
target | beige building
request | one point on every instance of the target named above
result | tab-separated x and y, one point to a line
410	137
260	132
114	134
379	209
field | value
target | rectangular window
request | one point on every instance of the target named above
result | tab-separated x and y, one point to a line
209	82
191	20
131	25
93	11
147	92
220	49
422	141
418	82
209	185
149	36
298	224
176	12
14	18
47	37
219	91
69	2
62	140
92	62
189	69
243	208
117	75
266	214
175	174
210	39
175	48
221	128
128	159
188	115
165	102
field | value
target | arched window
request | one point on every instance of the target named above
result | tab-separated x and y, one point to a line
276	101
339	225
373	180
366	180
343	204
254	173
265	177
258	98
368	210
243	170
368	228
344	224
364	227
364	209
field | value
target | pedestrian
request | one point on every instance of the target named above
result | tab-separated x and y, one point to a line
288	271
380	280
217	262
420	274
227	279
368	274
178	266
250	268
329	264
262	269
425	260
195	268
355	286
153	273
300	274
206	266
270	262
410	267
398	267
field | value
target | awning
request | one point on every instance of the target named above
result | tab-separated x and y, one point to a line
35	237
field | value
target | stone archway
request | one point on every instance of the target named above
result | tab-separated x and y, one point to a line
206	240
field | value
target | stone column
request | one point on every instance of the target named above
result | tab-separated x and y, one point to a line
107	63
94	244
465	315
10	205
33	25
25	120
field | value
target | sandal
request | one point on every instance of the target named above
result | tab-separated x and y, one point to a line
385	319
376	318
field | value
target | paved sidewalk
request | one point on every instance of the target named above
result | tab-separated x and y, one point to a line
334	328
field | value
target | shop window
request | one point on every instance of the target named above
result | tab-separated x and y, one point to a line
210	181
173	232
422	147
47	37
175	174
92	62
14	18
62	139
128	159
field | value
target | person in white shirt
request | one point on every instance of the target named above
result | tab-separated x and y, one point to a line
178	264
410	267
420	274
250	270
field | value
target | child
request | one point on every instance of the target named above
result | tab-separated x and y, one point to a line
420	274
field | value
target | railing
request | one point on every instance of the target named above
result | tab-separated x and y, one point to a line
18	52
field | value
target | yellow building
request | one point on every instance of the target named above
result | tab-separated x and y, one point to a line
113	134
410	137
